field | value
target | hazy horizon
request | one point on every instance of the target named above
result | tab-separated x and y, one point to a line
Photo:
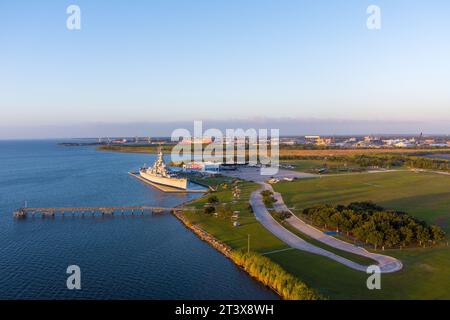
288	127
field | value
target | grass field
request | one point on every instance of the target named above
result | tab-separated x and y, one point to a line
313	166
261	240
426	270
425	275
424	195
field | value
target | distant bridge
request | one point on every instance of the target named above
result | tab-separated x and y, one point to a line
93	211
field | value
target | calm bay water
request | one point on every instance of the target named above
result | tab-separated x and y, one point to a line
151	257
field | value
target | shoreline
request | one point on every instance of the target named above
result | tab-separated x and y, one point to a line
216	244
202	234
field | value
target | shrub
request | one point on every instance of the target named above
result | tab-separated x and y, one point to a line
209	209
282	215
213	199
272	275
268	198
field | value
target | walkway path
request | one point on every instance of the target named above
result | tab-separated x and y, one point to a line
386	264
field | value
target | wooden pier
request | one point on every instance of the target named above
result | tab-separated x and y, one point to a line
90	211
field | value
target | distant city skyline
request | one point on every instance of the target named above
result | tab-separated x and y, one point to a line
288	127
144	68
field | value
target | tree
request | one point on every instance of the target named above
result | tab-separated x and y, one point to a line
423	235
282	215
213	199
375	238
437	233
337	219
268	198
407	235
209	209
373	224
348	217
391	237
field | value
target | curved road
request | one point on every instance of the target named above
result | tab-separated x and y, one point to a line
387	264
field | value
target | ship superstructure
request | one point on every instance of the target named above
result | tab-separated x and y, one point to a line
159	174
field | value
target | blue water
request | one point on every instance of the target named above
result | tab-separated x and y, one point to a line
151	257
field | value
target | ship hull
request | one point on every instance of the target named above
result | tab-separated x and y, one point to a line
169	182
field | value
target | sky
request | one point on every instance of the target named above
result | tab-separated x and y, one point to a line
138	65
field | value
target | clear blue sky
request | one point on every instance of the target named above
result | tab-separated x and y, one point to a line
161	60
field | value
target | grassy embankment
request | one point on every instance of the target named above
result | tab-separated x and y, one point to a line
424	195
261	241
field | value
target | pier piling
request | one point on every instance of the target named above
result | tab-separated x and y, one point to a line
52	212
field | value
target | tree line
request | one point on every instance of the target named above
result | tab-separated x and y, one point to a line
382	161
391	161
375	225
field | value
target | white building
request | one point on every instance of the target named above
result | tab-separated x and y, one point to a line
203	167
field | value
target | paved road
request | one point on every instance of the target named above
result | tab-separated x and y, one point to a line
431	171
386	264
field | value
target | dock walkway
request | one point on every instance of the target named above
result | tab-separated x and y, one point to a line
122	210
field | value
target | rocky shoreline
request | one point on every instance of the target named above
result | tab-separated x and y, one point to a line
202	234
219	246
236	258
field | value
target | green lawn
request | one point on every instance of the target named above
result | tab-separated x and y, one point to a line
426	271
212	181
424	195
425	275
312	166
261	240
